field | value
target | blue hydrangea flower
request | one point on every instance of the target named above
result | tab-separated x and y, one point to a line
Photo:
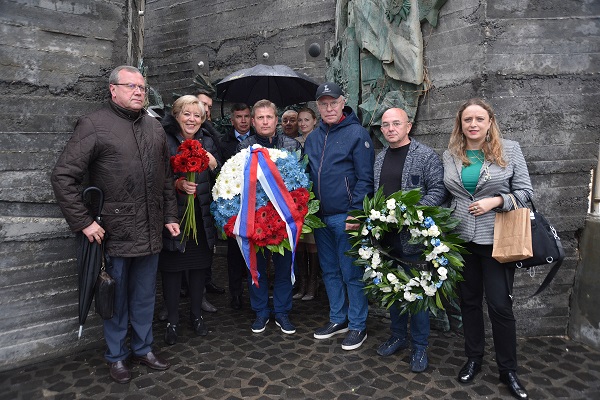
428	222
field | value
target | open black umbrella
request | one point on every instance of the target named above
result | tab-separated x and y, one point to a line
90	257
277	83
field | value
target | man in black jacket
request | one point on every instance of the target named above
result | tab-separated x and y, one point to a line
208	129
236	266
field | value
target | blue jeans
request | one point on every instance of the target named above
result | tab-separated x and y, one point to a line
419	322
282	285
135	292
342	279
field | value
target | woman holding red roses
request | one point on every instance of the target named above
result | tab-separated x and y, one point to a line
194	176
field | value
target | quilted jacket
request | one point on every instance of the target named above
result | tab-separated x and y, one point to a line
125	154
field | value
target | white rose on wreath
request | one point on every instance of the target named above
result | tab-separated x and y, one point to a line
432	227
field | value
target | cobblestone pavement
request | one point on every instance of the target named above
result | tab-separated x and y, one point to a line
233	363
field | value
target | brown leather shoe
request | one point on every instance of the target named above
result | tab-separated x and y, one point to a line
153	361
119	372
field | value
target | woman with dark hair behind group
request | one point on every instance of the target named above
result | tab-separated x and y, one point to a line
481	170
179	257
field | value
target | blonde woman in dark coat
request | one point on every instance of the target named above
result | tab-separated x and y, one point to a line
188	257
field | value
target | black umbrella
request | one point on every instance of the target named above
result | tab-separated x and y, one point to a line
277	83
90	257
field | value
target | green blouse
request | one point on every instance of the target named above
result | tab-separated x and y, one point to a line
470	173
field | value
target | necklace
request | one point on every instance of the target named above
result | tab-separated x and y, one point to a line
476	155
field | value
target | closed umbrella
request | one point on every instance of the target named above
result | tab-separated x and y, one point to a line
277	83
90	257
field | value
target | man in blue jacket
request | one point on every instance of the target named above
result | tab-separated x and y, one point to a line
340	154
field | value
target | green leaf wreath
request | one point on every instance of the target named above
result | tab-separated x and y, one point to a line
386	283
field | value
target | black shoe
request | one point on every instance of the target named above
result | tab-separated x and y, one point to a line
206	306
119	372
468	372
152	360
512	381
236	302
330	329
199	327
171	334
212	288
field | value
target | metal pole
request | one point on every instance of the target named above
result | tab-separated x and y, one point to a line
596	189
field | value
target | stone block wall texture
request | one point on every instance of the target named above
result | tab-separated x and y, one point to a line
537	63
55	58
231	35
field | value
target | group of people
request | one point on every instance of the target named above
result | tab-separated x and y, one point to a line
126	152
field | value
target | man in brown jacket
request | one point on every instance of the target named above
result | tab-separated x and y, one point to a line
123	151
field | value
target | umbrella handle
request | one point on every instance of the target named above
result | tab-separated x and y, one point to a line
100	199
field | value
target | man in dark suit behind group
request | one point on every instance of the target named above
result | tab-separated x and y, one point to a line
236	266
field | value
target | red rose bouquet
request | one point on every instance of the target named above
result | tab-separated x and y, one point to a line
191	158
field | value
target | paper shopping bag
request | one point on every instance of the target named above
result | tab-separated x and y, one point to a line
512	236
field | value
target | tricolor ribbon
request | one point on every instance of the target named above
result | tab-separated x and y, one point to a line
260	168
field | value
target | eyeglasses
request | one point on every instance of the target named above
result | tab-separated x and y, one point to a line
133	86
332	104
395	124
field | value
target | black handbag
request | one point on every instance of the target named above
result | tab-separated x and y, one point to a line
547	249
105	294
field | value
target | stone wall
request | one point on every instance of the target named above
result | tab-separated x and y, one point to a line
230	35
537	63
55	59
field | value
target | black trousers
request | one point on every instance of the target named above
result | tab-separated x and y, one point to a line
236	267
482	274
172	285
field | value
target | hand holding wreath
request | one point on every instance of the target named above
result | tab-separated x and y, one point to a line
420	289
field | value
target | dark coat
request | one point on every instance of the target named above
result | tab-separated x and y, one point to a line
229	144
279	141
209	130
205	181
126	156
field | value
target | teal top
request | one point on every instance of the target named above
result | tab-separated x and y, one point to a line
470	173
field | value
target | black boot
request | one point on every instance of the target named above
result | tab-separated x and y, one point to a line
313	279
302	276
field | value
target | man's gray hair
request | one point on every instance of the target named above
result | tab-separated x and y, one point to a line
114	75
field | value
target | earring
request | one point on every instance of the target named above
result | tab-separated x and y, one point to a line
488	138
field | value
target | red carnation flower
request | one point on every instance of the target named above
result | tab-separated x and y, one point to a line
228	228
300	195
190	159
